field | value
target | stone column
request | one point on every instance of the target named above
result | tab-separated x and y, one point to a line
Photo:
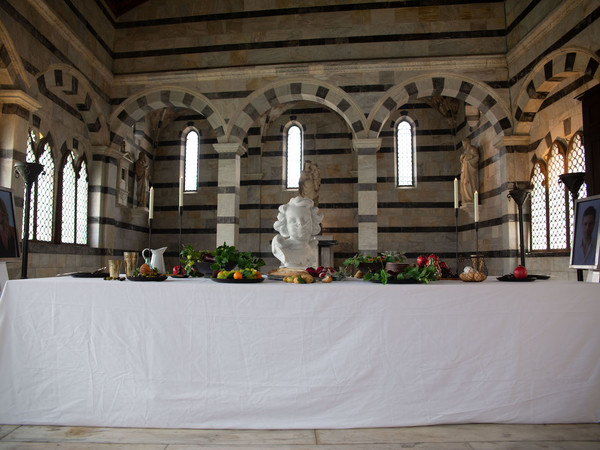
366	150
102	179
513	169
228	197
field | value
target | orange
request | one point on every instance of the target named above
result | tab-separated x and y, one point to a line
237	275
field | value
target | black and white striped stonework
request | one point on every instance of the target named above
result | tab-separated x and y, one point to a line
266	98
66	88
135	108
472	92
548	74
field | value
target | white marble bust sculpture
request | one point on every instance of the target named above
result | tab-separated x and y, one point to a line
298	222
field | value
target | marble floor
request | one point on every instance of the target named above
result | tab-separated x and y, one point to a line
446	437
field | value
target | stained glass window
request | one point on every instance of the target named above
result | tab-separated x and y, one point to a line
192	149
293	156
82	205
557	206
539	231
576	163
68	201
404	154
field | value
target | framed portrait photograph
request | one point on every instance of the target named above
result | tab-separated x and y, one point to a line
585	251
9	242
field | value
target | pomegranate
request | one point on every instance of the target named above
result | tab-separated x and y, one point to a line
422	261
520	272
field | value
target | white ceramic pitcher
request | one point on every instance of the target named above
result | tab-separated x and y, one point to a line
154	258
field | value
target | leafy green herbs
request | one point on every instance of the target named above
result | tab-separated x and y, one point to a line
421	275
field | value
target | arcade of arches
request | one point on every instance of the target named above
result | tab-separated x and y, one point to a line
115	96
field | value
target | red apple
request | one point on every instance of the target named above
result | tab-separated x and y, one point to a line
177	270
422	261
520	272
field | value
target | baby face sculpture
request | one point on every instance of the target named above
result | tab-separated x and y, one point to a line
297	223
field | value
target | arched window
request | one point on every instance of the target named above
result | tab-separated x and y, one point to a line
82	205
576	163
29	157
557	199
190	165
69	196
42	194
74	202
539	211
293	155
551	204
405	149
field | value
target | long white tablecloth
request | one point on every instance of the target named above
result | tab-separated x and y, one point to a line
195	353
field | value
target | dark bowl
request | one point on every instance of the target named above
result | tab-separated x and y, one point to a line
370	267
204	267
395	268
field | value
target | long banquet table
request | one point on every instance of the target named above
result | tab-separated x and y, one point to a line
192	353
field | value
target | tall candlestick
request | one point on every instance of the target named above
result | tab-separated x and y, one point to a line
476	205
455	193
180	192
151	207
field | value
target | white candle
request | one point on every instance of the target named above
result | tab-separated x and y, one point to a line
180	192
151	209
455	193
476	205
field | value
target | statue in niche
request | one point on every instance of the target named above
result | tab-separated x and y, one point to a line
142	177
298	222
310	181
469	162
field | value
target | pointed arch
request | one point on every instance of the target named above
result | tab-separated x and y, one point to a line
545	76
138	105
72	195
292	90
41	218
469	90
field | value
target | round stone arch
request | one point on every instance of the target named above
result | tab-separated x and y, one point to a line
138	105
545	76
471	91
70	90
14	66
293	90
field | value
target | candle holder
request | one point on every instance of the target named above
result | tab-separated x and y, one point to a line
180	227
477	238
149	232
573	181
30	171
456	230
519	196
